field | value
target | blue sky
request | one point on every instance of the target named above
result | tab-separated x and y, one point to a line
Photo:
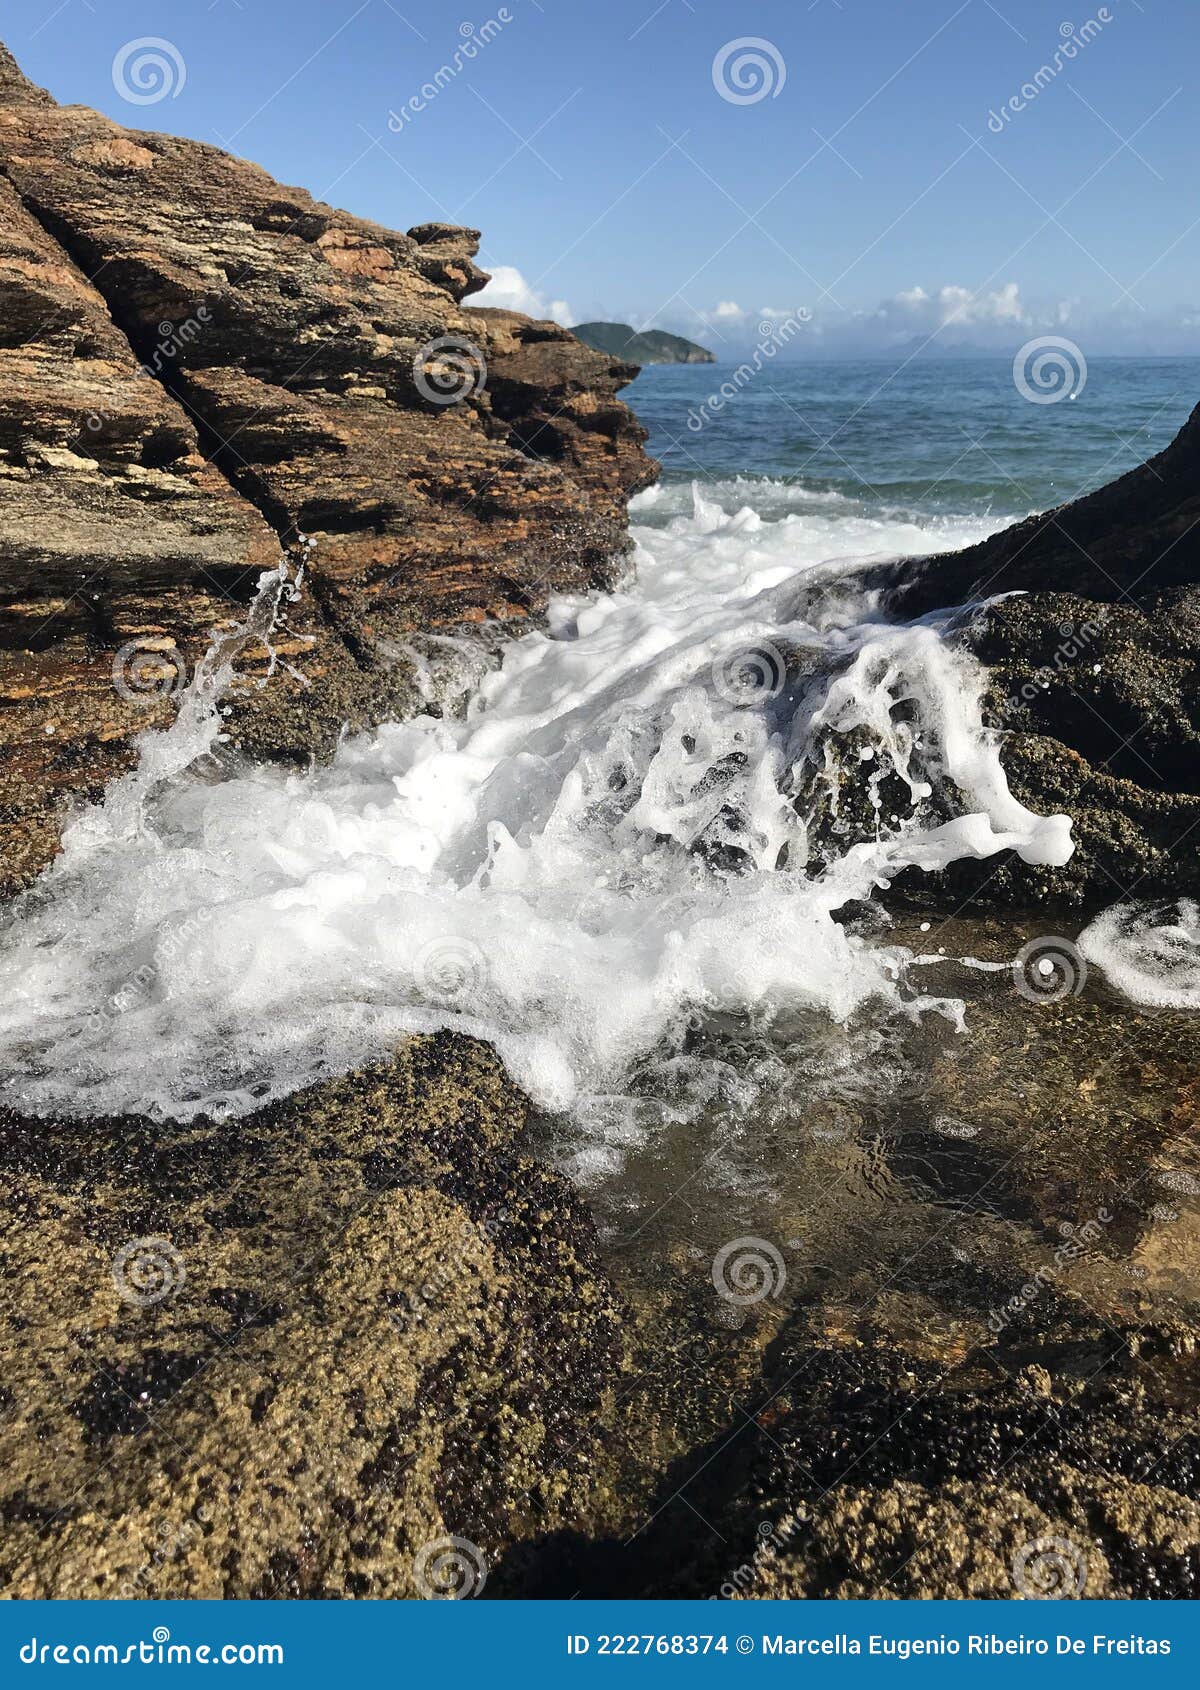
882	181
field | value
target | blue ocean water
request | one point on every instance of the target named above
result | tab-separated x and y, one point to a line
929	438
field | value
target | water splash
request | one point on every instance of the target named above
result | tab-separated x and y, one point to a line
613	846
164	755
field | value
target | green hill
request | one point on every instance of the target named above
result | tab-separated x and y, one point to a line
651	346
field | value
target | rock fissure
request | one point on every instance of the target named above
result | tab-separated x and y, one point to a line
152	368
284	340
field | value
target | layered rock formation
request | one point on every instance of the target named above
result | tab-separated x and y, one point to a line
199	366
380	1325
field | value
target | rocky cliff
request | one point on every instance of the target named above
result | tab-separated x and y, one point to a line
199	366
397	1335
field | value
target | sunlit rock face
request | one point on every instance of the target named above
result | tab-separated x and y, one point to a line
198	365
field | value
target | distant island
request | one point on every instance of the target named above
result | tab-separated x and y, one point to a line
651	346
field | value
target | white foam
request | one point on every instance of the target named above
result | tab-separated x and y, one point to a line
822	522
613	840
1151	952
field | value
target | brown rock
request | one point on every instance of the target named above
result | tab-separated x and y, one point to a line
198	366
283	1357
15	86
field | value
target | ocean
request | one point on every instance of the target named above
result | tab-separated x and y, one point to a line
933	439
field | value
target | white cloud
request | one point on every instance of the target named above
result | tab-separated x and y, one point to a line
728	316
1001	307
913	300
991	321
509	291
916	309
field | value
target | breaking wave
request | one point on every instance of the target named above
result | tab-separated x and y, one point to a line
648	816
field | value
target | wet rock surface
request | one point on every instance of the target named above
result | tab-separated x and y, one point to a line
1133	537
386	1325
960	1360
864	1472
1100	706
287	1355
199	365
1094	679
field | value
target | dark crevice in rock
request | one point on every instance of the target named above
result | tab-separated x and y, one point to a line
86	257
218	451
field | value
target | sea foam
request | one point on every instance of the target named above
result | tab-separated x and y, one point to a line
1150	952
616	839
